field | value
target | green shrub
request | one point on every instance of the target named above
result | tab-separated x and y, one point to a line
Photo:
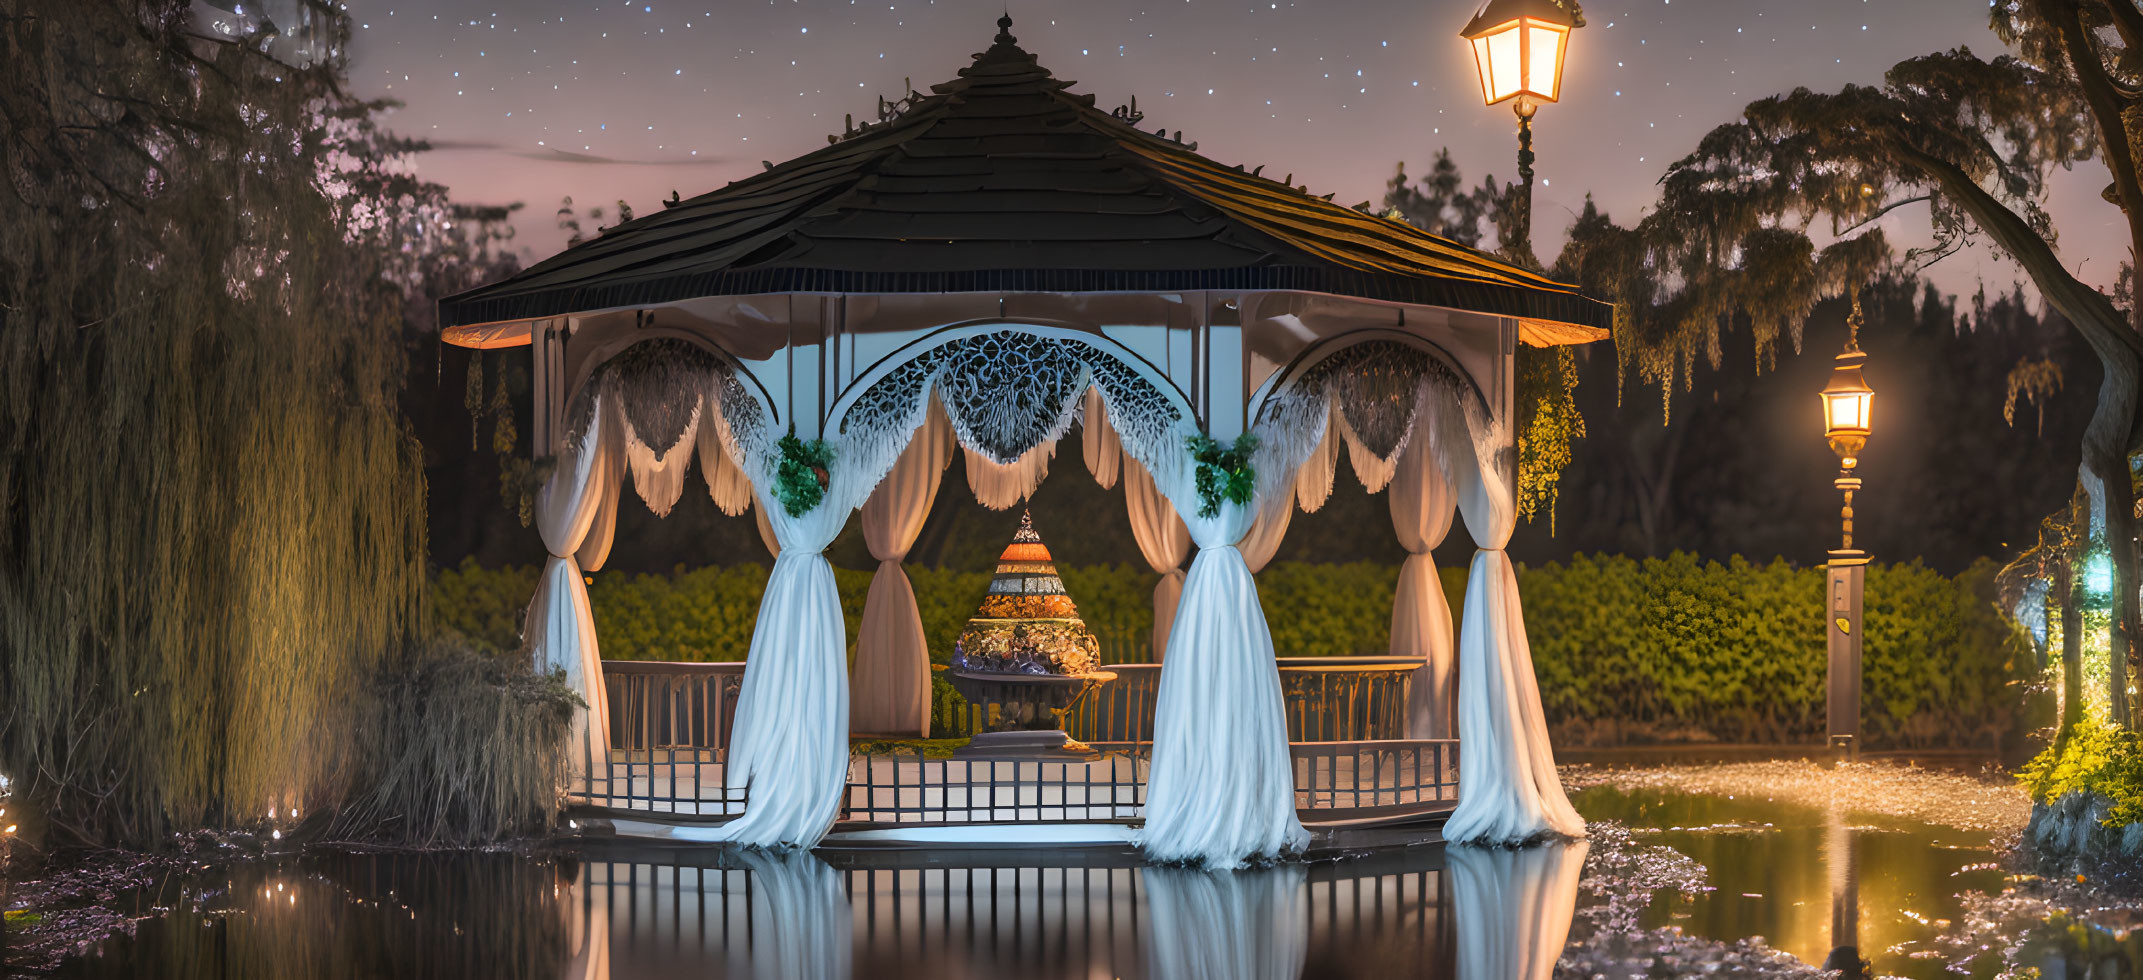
1625	649
2097	759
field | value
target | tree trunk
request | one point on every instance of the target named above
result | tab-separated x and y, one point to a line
2064	590
2105	465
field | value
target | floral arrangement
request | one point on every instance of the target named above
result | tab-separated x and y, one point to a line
1040	647
1224	472
800	481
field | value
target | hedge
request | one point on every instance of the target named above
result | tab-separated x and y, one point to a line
1626	650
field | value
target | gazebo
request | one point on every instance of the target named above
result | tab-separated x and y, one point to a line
975	272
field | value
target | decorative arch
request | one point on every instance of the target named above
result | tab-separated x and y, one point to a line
609	348
967	362
1329	347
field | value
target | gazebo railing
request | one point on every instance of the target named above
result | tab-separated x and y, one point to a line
658	705
903	786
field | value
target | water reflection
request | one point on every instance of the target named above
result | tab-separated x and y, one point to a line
1518	904
622	912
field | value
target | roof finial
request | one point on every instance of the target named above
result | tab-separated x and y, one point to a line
1004	30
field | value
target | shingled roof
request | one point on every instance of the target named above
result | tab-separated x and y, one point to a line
1005	181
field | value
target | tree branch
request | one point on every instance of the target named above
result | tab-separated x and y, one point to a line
1837	232
2094	316
2106	104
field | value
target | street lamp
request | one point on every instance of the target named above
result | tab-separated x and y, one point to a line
1846	404
1518	48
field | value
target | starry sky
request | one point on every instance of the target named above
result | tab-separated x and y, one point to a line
535	100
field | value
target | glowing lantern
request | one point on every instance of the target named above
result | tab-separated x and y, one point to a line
1518	48
1846	404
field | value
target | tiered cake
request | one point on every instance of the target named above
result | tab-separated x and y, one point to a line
1027	624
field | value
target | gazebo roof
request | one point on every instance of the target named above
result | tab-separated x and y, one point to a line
1003	180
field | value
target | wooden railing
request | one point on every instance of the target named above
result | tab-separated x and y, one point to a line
1328	699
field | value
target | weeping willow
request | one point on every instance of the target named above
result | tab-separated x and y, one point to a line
211	510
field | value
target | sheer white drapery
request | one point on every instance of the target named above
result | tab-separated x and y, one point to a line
1163	541
890	689
1313	480
1097	440
1002	486
561	627
1268	530
659	474
1227	925
727	483
1514	906
1508	790
1422	504
1220	791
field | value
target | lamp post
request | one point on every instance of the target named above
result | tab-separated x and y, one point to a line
1518	48
1846	402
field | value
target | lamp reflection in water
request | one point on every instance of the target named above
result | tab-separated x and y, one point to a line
1514	907
1841	855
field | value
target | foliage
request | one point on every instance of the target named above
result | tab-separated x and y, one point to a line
1624	649
800	481
1548	424
2094	758
1224	472
2035	381
456	746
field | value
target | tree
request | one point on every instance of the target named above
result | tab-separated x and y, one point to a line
1973	139
211	512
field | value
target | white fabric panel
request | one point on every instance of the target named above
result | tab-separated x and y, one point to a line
1422	504
1001	486
1268	530
1514	907
660	477
1104	452
1508	789
891	683
789	743
766	532
561	628
1227	925
792	712
1221	790
1313	480
1374	472
726	482
609	484
1164	542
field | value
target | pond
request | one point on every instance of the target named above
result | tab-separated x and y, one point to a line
1799	877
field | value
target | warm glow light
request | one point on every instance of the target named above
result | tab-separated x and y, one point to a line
1847	401
1518	48
1849	411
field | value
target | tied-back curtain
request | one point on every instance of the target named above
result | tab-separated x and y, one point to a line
1164	542
1508	791
1098	441
891	684
1422	504
1221	789
788	746
1514	907
561	625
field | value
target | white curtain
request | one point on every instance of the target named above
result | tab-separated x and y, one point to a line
660	476
1002	486
1104	452
789	743
1221	790
1227	925
1514	907
1268	531
1422	503
766	533
1313	480
1164	542
727	484
1508	790
561	626
891	683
